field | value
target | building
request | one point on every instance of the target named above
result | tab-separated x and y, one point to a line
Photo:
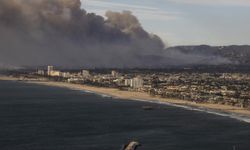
53	73
56	73
137	82
66	74
114	73
50	70
41	72
127	82
85	73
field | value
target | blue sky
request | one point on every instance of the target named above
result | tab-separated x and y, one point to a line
186	22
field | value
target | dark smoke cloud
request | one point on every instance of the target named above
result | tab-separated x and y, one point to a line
59	32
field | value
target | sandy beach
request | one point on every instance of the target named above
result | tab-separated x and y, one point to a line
136	96
7	78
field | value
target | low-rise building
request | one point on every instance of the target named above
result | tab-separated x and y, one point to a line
41	72
55	73
85	73
114	73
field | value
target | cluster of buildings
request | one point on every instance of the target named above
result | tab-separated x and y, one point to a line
51	72
114	79
219	88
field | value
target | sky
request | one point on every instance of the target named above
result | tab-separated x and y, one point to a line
39	30
186	22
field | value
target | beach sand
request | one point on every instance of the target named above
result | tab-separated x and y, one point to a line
7	78
128	95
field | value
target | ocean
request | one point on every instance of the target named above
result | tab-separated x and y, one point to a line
36	117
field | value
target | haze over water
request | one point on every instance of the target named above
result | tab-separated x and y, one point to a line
35	117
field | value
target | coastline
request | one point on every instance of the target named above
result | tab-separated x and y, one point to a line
7	78
138	96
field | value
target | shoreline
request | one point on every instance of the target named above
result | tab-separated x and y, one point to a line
139	96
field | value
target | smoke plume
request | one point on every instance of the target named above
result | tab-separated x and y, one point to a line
60	32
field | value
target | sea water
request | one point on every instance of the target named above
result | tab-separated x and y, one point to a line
35	117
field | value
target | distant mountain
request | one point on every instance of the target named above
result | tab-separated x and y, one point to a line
234	54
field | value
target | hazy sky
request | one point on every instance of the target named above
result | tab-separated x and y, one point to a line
186	22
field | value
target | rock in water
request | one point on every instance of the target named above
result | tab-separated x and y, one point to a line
132	146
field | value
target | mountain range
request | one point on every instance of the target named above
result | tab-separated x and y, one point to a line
234	54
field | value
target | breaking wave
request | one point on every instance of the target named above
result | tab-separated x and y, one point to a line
202	109
186	107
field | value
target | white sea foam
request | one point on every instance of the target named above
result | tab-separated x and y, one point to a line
86	91
191	108
223	114
104	95
202	109
99	94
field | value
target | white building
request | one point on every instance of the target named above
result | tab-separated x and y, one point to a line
114	73
85	73
127	82
66	75
50	70
55	73
40	72
137	82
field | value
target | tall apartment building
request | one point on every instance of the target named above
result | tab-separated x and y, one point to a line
137	82
50	70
